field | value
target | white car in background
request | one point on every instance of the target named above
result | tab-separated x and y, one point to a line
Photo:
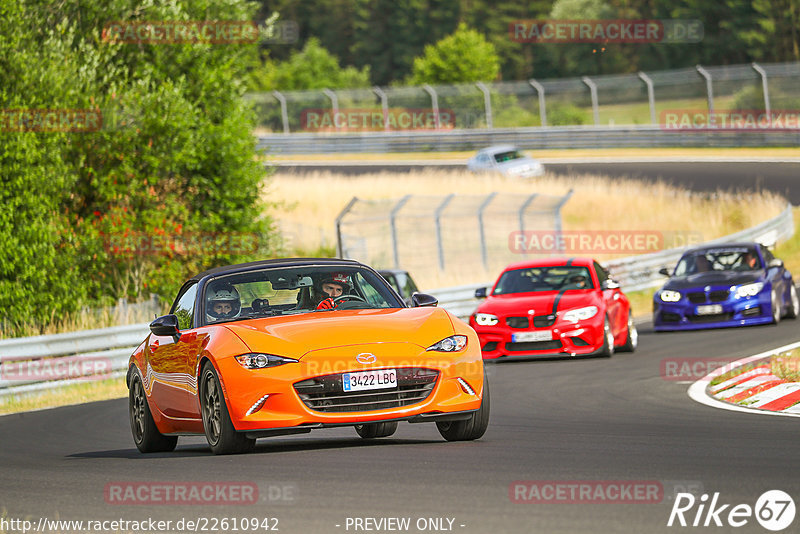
507	160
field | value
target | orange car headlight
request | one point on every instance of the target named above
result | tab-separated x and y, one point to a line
449	344
258	360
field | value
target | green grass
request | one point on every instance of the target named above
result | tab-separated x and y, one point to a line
786	366
639	113
734	372
89	391
789	251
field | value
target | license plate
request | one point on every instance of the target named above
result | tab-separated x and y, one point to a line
541	335
385	378
710	309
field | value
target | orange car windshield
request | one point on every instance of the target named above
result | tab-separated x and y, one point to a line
295	290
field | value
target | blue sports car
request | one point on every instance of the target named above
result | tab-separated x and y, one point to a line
725	285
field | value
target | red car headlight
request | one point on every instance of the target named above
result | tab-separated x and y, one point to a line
486	319
580	314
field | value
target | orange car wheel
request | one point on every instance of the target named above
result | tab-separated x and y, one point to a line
376	430
472	428
221	435
144	430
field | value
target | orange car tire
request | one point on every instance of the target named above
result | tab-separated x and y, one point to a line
221	435
472	428
145	433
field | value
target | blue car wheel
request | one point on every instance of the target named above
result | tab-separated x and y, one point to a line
776	307
794	303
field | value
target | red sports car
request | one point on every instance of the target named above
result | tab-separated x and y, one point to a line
554	307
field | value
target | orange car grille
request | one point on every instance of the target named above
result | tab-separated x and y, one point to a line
325	393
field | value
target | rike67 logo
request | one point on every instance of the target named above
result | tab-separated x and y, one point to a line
774	510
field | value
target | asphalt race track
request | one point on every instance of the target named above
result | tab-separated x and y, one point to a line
566	420
562	420
783	177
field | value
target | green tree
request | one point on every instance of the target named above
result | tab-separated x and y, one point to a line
464	56
312	68
173	161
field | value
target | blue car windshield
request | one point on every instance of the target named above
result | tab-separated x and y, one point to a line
722	259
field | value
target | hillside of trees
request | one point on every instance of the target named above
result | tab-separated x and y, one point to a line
382	38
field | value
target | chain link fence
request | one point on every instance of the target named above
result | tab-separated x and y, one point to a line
455	234
643	98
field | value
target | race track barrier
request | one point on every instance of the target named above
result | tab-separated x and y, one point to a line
32	364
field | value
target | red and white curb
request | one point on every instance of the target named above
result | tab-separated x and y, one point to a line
755	391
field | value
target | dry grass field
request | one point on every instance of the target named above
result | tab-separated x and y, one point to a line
307	206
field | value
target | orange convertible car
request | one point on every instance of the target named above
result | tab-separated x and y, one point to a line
286	346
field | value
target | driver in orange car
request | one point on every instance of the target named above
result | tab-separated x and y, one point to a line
223	303
331	287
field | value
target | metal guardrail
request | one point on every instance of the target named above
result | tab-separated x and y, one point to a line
641	272
41	362
45	362
602	99
634	273
523	138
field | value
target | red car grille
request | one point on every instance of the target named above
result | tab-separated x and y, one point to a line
540	321
533	345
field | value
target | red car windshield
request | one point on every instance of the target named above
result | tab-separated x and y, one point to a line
532	279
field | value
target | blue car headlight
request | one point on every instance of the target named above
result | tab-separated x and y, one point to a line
749	290
667	295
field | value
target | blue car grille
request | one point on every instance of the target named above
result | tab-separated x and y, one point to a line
696	298
715	318
719	295
669	317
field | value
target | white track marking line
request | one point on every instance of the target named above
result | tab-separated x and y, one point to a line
744	386
728	383
774	393
697	391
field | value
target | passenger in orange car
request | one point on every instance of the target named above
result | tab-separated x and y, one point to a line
331	288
